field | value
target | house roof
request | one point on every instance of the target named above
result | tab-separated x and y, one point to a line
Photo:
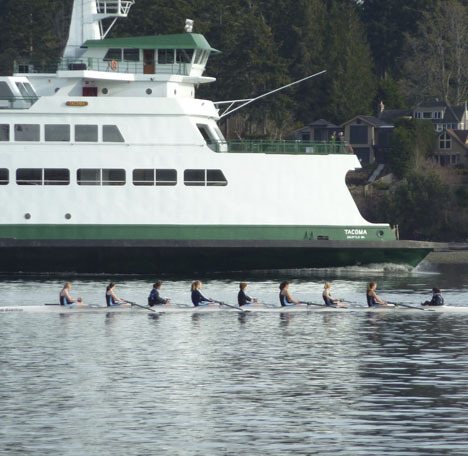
429	104
323	123
390	115
461	135
370	120
176	41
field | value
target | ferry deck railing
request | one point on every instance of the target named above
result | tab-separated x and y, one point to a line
282	147
17	102
95	64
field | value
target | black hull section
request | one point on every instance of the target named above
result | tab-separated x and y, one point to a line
152	257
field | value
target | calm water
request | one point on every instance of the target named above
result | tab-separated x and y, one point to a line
227	384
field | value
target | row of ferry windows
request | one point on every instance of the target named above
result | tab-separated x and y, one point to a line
61	133
109	176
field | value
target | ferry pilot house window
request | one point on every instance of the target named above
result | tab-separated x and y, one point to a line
4	132
111	133
184	55
57	133
131	55
165	56
113	54
86	133
4	176
27	132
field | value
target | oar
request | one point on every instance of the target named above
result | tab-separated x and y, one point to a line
312	304
140	306
400	304
239	309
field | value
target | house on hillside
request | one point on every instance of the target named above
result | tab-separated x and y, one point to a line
442	115
319	131
370	138
452	148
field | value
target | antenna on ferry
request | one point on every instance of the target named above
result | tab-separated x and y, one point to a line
229	110
87	22
188	25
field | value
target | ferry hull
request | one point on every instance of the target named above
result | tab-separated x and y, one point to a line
156	257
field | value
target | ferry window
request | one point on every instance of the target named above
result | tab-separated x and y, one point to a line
57	132
358	134
30	90
22	89
219	133
205	132
27	132
199	57
165	56
4	176
113	177
215	178
113	54
184	55
4	132
86	133
166	177
88	176
56	176
111	133
194	177
5	91
29	176
131	55
143	177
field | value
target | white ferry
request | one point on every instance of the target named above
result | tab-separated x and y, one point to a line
110	164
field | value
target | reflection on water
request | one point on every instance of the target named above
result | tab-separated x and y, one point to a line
234	383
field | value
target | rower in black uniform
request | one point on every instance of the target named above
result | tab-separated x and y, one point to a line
154	299
373	300
242	298
65	298
111	299
198	299
437	298
285	297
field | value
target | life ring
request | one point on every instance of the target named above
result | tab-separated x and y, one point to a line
114	65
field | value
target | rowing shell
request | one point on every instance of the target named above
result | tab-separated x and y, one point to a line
215	309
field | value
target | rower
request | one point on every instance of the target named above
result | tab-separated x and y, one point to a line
242	298
437	298
285	297
65	298
111	298
197	298
327	298
154	299
373	299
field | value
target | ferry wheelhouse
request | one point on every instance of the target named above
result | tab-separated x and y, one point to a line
109	163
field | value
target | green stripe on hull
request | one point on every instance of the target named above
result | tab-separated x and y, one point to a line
195	232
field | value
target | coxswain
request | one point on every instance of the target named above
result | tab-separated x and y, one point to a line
111	298
154	299
327	297
437	298
373	299
285	297
197	298
65	298
242	298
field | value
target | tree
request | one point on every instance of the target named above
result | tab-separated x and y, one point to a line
412	144
418	206
438	55
351	85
